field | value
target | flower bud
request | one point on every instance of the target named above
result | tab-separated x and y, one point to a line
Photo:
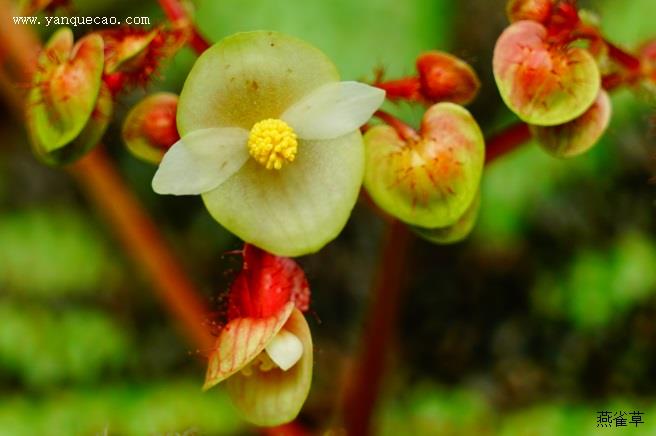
67	110
149	129
534	10
444	77
455	232
264	352
579	135
543	83
133	54
429	182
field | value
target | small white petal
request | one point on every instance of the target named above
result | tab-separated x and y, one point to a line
201	161
285	349
333	110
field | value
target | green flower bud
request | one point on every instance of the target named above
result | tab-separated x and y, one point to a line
544	84
432	181
67	113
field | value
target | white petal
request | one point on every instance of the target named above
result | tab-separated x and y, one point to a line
333	110
285	349
201	161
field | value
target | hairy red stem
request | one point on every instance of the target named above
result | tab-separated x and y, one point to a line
177	14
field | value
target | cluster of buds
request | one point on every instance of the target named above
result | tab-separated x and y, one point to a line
429	178
72	94
548	80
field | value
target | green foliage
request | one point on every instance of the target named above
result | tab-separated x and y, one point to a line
42	347
358	36
600	286
162	408
46	252
428	411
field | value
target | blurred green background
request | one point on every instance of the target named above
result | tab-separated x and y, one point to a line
546	315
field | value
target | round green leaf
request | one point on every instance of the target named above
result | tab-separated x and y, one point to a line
544	84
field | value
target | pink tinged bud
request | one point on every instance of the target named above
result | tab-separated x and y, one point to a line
444	77
265	349
535	10
150	128
67	110
429	182
543	83
579	135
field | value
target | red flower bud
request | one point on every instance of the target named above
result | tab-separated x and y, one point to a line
444	77
535	10
150	129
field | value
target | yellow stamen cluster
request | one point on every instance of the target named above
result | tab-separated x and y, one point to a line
272	143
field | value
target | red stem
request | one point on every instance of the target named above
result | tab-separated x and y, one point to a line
365	378
406	132
506	141
177	14
626	59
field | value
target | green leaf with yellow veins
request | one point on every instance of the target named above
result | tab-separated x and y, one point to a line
543	83
432	181
579	135
65	90
455	232
273	396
